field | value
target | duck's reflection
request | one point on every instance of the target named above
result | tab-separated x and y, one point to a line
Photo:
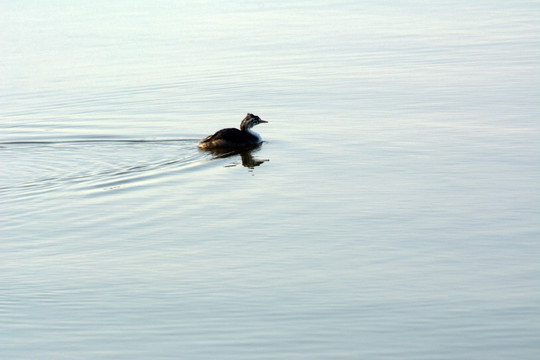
246	154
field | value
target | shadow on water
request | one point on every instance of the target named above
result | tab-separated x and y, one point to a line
246	155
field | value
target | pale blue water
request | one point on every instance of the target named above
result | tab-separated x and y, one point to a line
393	211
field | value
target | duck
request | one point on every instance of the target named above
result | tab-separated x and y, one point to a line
235	138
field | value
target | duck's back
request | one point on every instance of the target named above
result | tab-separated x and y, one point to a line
229	137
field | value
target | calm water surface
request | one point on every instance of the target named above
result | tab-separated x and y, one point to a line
391	213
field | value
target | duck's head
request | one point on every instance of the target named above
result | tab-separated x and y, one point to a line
250	121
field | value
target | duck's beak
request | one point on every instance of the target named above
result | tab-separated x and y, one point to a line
263	121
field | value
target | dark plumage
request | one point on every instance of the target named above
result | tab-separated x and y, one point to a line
234	138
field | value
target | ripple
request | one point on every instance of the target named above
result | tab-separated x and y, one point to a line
38	167
77	141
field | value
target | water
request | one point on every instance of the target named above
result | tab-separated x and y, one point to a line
391	213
